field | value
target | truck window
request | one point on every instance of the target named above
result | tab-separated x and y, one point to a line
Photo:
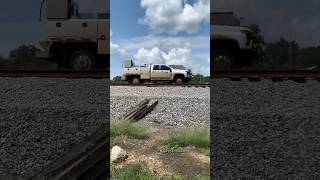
165	68
156	67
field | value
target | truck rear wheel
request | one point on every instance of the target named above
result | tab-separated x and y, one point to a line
223	59
82	60
135	80
179	80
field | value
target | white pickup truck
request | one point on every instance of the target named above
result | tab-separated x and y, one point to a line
232	46
154	72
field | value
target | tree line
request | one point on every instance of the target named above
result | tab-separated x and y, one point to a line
282	53
24	57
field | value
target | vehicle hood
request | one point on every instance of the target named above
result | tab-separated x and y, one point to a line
182	71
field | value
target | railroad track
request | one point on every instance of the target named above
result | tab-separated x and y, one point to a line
234	74
162	85
274	75
88	160
94	74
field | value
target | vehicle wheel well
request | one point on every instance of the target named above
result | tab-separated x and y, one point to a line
226	44
178	75
63	51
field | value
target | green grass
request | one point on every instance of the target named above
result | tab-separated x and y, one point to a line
131	130
199	138
134	171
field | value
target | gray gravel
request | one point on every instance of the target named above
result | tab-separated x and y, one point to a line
265	130
41	119
177	107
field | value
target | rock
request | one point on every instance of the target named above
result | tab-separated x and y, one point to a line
118	154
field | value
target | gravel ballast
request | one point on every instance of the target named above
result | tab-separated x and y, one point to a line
42	119
265	130
177	106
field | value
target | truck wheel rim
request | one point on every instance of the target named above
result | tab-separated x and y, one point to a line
179	81
135	81
222	61
82	62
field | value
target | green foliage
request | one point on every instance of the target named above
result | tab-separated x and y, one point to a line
170	147
117	78
198	78
24	58
188	137
131	130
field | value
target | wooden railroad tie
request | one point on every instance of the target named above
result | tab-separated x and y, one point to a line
139	111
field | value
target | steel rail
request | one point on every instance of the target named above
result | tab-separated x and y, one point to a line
95	74
266	73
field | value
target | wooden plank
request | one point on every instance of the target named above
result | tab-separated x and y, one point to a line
146	111
134	109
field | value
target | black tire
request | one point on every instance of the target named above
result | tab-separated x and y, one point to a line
82	60
179	80
135	80
223	59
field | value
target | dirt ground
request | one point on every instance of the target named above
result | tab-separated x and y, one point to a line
186	162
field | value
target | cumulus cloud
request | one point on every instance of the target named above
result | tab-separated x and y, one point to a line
174	16
116	49
148	56
156	55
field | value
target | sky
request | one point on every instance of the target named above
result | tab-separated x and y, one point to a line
160	31
292	19
20	24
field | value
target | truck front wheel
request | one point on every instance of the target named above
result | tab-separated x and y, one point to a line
135	80
223	59
179	80
82	60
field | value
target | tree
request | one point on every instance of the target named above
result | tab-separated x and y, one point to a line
117	78
199	78
24	57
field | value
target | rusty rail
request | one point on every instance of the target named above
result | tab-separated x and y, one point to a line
297	75
94	74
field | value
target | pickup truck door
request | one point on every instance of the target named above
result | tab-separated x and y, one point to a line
165	72
160	72
155	72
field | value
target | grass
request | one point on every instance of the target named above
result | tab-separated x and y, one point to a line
136	171
199	138
131	130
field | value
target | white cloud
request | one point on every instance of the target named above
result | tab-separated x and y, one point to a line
156	55
115	48
174	16
177	56
145	56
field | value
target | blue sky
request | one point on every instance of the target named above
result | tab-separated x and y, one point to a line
157	31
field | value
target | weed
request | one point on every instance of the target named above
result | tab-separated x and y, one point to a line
131	130
199	138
